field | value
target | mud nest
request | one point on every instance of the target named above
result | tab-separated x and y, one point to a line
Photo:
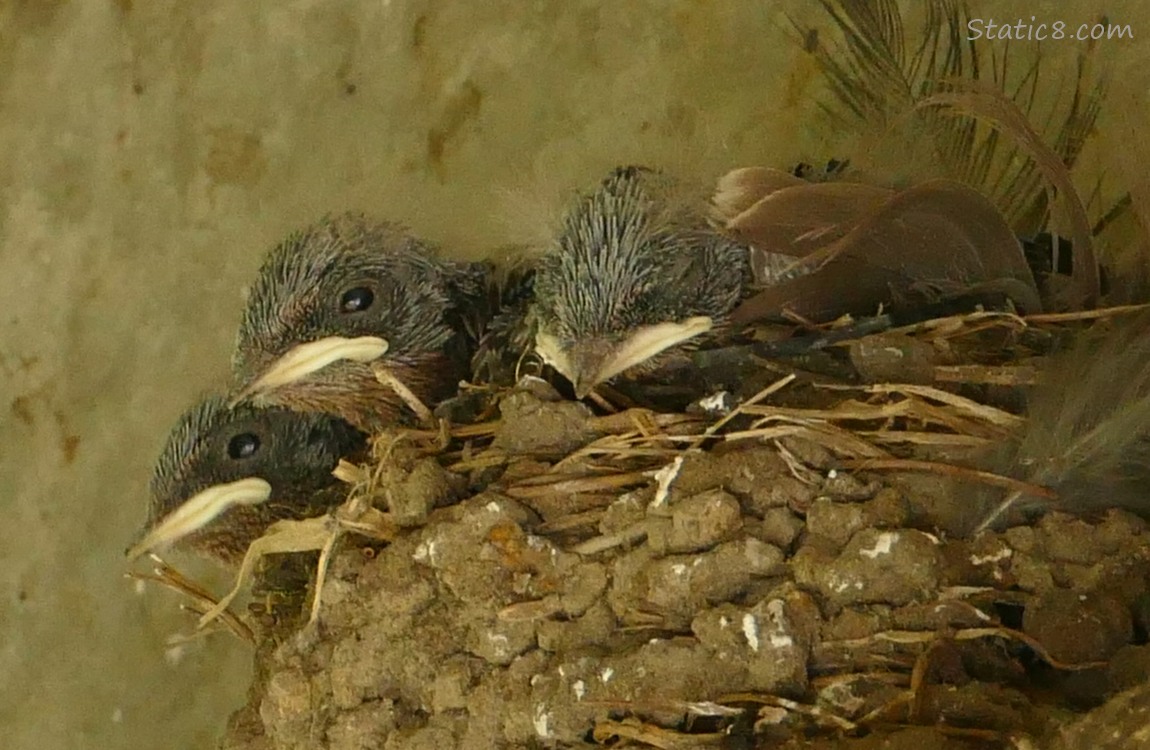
792	568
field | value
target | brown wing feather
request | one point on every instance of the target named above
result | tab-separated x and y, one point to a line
940	233
799	219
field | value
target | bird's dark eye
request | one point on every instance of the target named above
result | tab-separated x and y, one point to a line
243	446
356	299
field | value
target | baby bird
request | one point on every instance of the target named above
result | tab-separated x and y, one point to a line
225	475
635	273
346	295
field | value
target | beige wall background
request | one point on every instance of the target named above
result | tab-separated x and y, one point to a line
152	150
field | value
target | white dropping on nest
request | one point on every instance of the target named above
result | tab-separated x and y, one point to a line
500	643
717	404
751	631
779	637
1003	554
838	584
664	477
882	545
542	721
425	552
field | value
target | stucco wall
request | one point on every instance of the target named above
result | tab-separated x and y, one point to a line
150	152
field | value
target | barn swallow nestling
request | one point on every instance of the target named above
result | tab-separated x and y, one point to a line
636	272
345	296
225	475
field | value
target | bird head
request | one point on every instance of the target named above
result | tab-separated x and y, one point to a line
635	273
224	475
347	295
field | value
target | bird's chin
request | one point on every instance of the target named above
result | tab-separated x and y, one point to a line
595	361
353	392
202	511
312	361
227	539
349	391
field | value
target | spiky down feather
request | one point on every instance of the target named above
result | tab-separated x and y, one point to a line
630	255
